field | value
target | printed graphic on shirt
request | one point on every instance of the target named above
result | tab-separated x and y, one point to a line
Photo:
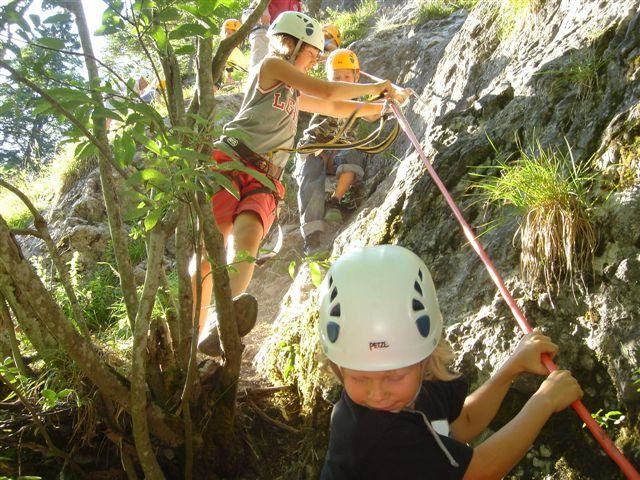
287	103
441	426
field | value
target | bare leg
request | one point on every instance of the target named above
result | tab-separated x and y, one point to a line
345	180
247	234
207	279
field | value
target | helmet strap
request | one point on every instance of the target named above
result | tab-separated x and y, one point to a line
295	52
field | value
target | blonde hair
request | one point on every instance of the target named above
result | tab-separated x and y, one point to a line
282	45
437	364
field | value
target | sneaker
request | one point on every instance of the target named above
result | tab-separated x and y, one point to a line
246	308
332	211
312	244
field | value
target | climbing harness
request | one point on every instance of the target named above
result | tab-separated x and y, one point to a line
599	434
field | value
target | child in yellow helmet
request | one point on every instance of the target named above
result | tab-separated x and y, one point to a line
311	169
332	38
237	61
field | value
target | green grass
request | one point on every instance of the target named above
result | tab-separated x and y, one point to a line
353	25
549	194
510	12
38	188
581	72
436	9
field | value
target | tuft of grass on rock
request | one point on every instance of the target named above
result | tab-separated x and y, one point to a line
353	24
436	9
548	193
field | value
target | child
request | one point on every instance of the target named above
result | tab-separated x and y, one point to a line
311	169
402	414
332	38
258	36
236	60
267	122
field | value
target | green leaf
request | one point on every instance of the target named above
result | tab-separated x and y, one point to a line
65	393
153	175
57	18
170	14
85	149
51	42
206	7
292	269
185	50
189	30
35	19
124	149
316	273
50	396
261	177
152	219
159	34
101	112
227	184
14	17
147	142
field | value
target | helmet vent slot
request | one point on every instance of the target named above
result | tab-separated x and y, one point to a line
333	330
418	288
420	274
334	293
335	310
330	282
417	305
424	325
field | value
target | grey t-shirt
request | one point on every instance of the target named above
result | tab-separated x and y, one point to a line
267	120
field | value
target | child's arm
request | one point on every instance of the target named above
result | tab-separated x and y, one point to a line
274	71
340	108
496	456
482	405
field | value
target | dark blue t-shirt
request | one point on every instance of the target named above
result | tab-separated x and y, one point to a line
372	444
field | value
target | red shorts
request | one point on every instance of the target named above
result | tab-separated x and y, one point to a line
226	207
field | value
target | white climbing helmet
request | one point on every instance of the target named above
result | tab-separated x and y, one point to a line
300	26
378	310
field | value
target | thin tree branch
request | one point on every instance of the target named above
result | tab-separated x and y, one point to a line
7	325
41	225
148	460
26	231
114	215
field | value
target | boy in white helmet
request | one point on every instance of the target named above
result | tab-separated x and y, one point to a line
403	414
267	123
311	169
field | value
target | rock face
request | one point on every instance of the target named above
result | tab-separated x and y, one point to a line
488	82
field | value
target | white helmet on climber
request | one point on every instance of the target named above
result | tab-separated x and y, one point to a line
300	26
378	310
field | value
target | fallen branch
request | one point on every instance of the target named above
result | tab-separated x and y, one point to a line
269	419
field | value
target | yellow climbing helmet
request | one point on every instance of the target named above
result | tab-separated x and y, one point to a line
161	84
334	33
231	24
343	58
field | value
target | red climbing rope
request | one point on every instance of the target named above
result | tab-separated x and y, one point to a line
598	433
